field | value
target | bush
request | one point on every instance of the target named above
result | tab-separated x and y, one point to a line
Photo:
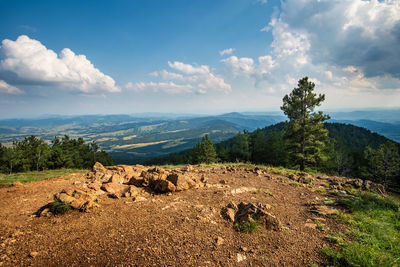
59	207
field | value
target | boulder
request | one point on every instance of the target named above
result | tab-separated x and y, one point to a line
116	178
115	188
163	186
98	167
181	182
250	212
78	199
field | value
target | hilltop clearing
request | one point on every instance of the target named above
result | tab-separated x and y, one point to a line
203	216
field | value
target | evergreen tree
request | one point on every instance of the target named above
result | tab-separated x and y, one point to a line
383	163
240	150
304	134
204	152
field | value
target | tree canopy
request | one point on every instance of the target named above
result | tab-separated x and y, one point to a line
304	134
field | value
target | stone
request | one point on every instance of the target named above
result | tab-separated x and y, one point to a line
164	186
45	213
33	254
98	167
78	199
187	168
228	214
181	182
115	188
132	191
17	184
252	212
219	241
367	185
240	257
116	178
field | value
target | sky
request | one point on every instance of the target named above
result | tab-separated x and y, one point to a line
200	56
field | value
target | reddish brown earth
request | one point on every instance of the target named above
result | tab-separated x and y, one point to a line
176	229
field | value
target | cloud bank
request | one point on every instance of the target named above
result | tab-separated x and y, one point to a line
350	44
189	79
28	62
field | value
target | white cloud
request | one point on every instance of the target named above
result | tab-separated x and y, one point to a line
227	51
27	61
192	79
9	89
167	87
344	45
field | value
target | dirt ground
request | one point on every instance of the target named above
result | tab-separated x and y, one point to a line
178	229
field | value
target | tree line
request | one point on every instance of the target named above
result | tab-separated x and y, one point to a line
34	154
304	142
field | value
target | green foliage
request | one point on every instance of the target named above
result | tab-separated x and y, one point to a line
304	134
59	207
204	152
35	154
383	163
25	177
247	227
375	235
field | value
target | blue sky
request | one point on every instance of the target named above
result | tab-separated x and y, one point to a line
91	57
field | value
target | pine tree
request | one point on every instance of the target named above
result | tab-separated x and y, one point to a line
383	163
204	151
304	134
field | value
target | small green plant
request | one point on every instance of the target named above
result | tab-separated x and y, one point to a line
247	227
285	228
320	190
335	238
257	191
59	207
295	184
320	226
268	193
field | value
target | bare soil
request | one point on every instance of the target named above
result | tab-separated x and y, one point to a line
178	229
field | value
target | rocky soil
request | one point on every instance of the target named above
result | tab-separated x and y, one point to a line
148	216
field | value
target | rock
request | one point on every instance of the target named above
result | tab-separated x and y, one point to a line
78	199
98	167
139	199
132	191
17	184
115	188
116	178
164	186
187	168
33	254
240	257
203	179
181	182
45	213
219	241
356	183
367	185
252	212
228	214
310	225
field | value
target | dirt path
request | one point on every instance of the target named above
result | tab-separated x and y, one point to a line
179	229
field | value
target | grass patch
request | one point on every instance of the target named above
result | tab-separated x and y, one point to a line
320	226
247	227
295	184
59	207
319	190
25	177
374	237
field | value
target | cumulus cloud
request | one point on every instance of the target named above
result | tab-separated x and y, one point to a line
27	61
226	51
190	79
9	89
343	44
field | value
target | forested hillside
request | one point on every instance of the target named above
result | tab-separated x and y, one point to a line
34	153
346	149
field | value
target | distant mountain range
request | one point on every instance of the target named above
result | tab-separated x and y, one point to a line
137	137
